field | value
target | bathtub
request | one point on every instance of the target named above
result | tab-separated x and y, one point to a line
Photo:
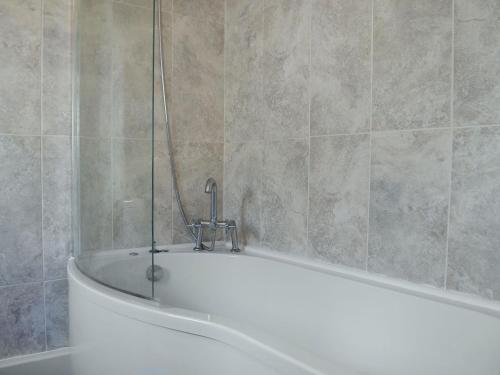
260	312
54	362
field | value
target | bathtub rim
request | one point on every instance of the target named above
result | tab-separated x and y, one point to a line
438	294
35	357
442	295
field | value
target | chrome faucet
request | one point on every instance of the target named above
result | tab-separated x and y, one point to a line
229	226
211	188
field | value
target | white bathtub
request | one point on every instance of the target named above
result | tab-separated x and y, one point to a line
255	313
54	362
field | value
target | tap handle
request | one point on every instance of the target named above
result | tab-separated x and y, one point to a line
233	230
199	236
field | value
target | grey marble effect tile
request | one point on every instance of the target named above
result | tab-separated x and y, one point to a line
410	175
411	64
341	66
21	320
284	196
132	193
243	167
132	71
244	117
56	98
163	196
286	69
338	199
211	10
20	43
95	32
474	243
57	316
195	163
56	181
95	194
198	80
20	210
166	4
477	71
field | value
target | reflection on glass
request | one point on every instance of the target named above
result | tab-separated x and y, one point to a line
113	145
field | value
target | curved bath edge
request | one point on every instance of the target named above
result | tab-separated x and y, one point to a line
52	362
278	354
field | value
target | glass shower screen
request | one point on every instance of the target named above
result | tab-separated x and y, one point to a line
113	142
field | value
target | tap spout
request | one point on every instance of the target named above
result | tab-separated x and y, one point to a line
211	188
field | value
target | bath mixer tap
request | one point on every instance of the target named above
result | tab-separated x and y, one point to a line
211	188
228	226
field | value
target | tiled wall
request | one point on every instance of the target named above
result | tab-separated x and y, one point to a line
35	174
367	133
361	132
197	104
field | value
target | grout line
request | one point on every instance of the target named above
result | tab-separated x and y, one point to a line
155	34
255	141
269	140
42	154
13	285
130	139
413	130
308	207
283	140
224	112
111	137
260	56
370	140
126	3
374	132
19	135
170	118
339	135
435	128
55	280
34	135
452	121
111	151
56	136
42	190
370	152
